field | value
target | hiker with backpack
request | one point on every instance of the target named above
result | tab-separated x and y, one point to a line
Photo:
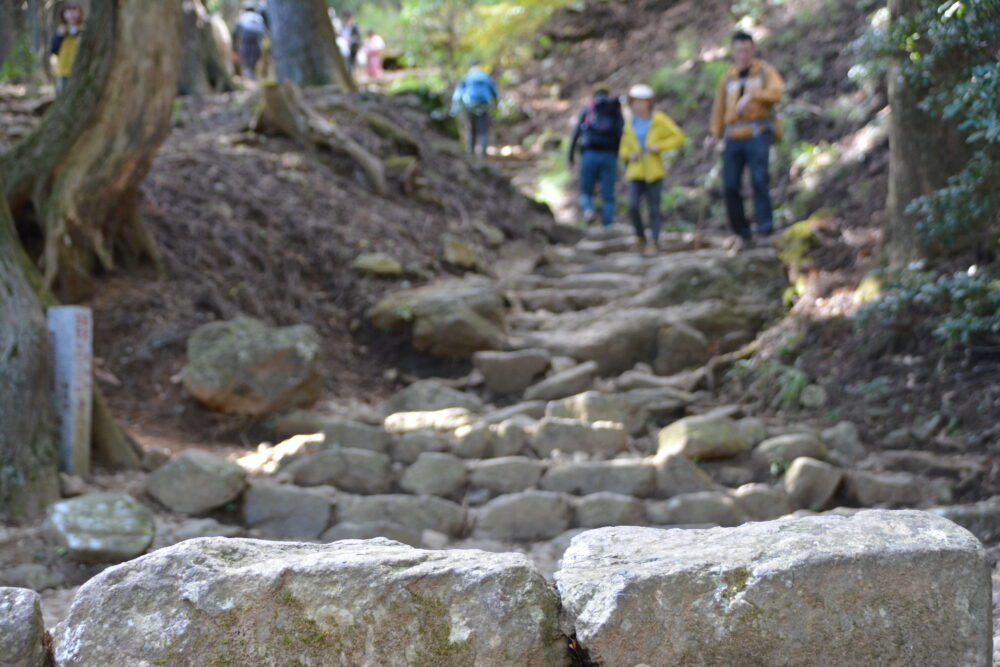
476	94
743	117
598	133
248	40
648	135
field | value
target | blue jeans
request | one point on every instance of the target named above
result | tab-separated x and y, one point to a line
599	166
479	131
651	193
737	156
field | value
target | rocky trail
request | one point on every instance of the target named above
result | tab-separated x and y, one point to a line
592	403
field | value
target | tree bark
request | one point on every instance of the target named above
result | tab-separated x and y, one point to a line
76	178
205	64
28	461
7	32
924	151
304	46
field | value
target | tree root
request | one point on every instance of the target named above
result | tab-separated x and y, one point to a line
284	110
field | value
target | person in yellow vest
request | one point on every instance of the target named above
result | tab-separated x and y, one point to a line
743	116
648	135
66	42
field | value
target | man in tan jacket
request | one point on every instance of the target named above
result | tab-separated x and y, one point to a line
743	117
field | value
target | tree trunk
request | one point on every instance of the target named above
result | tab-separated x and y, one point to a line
28	461
924	151
76	178
205	65
7	32
304	46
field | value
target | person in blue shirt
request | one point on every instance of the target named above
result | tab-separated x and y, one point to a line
476	95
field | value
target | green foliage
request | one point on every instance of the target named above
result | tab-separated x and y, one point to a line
950	53
961	308
554	180
20	62
687	85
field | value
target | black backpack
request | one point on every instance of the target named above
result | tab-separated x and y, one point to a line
603	124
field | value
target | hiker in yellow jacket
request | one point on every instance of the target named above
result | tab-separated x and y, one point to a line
743	116
66	42
648	135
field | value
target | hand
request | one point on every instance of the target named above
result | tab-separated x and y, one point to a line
741	104
652	148
633	157
61	30
710	142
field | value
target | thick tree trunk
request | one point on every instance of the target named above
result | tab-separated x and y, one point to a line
76	178
304	46
205	64
28	465
924	151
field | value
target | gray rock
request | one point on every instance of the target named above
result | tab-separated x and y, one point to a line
787	448
753	429
22	634
596	406
573	381
982	519
844	443
242	366
510	437
435	474
351	470
376	602
194	528
511	372
675	474
371	530
703	437
415	512
443	421
702	508
270	459
600	440
876	588
508	474
533	410
153	457
679	347
762	502
430	396
813	396
102	527
631	477
35	576
890	489
811	483
609	509
195	481
285	512
473	442
355	435
527	516
409	446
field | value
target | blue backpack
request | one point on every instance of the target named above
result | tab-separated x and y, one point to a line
477	92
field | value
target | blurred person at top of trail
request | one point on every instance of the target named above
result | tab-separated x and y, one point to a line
248	40
351	35
373	49
599	134
66	42
743	116
476	94
648	135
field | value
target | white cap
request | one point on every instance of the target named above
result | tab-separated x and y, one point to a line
641	91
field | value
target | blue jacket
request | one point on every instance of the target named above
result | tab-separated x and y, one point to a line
476	91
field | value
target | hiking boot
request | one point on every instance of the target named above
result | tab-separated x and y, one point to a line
641	246
588	218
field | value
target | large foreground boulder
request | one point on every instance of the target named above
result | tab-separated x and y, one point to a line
450	318
248	602
886	588
22	634
242	366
